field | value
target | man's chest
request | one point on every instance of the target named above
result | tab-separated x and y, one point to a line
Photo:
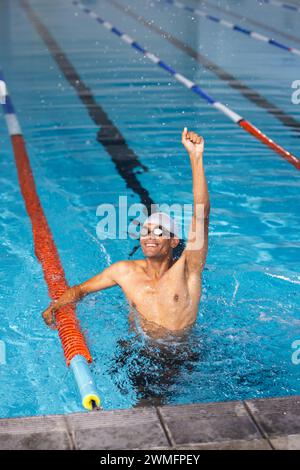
165	292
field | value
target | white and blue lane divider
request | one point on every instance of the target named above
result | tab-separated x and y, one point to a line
287	6
232	115
234	27
3	91
11	119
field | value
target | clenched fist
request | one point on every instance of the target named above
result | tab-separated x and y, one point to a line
193	143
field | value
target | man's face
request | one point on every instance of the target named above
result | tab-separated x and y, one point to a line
156	241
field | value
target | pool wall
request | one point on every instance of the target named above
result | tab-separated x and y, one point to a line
262	424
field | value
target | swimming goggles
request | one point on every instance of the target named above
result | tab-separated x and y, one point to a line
158	231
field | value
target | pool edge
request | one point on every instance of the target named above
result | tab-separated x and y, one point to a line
270	423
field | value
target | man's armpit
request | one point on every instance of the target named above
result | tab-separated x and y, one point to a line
195	261
198	235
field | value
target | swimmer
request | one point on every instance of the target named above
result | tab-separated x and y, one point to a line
165	292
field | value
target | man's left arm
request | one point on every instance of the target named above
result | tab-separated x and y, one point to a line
197	244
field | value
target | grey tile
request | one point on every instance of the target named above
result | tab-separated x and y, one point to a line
277	404
35	441
199	426
34	423
117	429
40	432
286	442
209	422
277	416
254	444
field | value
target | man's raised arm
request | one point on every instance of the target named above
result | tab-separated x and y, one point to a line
197	244
107	278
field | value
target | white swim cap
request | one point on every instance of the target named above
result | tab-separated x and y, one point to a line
165	221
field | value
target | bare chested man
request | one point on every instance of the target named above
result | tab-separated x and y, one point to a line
166	293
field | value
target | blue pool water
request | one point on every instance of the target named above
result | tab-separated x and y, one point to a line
241	344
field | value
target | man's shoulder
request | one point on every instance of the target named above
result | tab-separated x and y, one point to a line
127	266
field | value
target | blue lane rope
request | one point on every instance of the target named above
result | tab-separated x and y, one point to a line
194	87
234	27
286	6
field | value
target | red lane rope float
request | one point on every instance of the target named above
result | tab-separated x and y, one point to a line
69	332
71	337
263	138
75	349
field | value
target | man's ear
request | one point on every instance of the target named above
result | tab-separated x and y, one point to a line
174	242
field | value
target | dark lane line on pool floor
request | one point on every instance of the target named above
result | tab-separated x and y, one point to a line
252	21
233	82
125	160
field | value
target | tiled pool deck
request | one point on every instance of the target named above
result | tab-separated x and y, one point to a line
255	424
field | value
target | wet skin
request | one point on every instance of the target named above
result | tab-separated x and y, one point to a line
166	293
163	291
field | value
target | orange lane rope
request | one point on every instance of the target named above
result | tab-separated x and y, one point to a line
71	337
